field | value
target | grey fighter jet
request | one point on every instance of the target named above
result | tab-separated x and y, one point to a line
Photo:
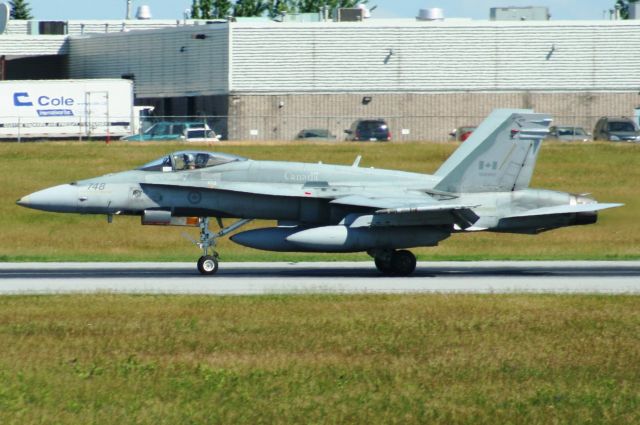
483	186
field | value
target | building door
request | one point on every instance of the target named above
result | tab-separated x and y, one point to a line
96	116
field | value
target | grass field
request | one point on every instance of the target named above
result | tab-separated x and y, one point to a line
312	359
511	359
609	171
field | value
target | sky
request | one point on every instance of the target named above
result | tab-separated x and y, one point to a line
174	9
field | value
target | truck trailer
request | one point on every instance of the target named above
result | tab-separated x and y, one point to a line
96	108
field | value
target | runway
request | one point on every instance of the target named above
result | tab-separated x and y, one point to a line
322	277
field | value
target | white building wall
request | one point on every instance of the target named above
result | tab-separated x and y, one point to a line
373	56
28	45
166	63
435	56
17	27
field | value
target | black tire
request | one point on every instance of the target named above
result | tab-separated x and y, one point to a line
383	266
208	265
403	263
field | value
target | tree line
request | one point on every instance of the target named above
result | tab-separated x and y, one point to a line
623	5
212	9
220	9
19	9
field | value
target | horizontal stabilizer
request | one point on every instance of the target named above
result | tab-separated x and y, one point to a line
565	209
547	218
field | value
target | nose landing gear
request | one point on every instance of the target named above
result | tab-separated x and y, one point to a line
208	263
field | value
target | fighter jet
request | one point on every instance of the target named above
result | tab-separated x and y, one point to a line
483	186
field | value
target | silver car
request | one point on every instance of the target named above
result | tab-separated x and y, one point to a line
567	133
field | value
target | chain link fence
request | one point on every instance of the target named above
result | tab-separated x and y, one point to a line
436	128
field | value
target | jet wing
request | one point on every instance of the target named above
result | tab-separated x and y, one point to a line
458	214
412	211
409	210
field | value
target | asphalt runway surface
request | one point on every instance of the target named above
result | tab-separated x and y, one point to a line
606	277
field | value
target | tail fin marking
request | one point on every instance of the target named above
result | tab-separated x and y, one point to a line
499	156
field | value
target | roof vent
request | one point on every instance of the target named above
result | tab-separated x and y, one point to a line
433	14
350	14
366	12
52	28
144	12
517	13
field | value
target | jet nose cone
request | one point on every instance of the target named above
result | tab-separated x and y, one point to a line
62	198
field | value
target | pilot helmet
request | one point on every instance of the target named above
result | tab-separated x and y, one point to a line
188	158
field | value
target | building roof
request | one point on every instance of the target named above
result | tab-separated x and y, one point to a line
22	38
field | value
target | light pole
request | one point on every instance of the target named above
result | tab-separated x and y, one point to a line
129	9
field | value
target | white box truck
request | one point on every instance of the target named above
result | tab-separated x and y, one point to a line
98	108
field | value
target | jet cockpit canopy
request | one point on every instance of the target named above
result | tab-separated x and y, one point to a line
190	160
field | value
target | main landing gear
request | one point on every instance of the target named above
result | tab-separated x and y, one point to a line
394	263
208	263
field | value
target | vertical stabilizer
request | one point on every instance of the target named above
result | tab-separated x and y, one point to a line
499	156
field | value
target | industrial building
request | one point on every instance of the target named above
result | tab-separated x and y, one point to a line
268	80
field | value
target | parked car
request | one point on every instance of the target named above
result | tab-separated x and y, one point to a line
616	129
176	131
201	134
462	133
315	134
369	130
567	133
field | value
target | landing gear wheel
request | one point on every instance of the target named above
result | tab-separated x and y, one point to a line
208	265
383	265
403	263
